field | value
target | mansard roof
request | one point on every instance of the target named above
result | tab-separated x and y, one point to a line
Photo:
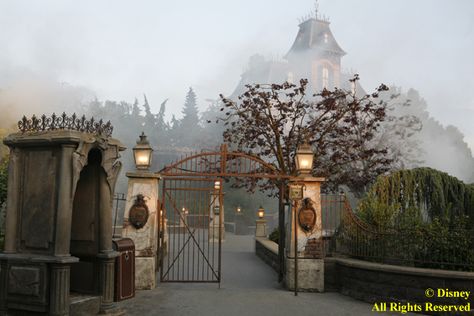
312	35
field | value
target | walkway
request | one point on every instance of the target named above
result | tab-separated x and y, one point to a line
249	287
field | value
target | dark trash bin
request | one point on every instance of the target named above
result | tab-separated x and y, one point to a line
124	269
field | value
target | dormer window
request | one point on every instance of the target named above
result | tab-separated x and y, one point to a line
326	37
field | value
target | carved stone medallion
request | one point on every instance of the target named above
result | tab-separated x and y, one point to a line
139	213
307	216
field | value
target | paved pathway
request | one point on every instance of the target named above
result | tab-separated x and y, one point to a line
249	287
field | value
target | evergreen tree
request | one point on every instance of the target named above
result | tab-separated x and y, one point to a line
149	116
160	118
135	110
190	128
212	133
173	133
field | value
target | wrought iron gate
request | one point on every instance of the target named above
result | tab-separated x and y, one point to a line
191	224
191	230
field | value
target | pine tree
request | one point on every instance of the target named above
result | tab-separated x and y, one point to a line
135	110
190	128
160	118
174	129
190	110
149	116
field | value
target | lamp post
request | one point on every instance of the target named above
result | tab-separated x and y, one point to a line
304	166
304	159
261	223
142	153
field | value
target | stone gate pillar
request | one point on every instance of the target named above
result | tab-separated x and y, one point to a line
143	231
216	225
309	246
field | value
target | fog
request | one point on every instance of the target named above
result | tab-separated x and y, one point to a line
59	54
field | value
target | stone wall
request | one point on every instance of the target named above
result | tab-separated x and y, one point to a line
331	282
373	282
267	250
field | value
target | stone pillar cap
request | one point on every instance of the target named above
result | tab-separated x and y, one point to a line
307	179
143	174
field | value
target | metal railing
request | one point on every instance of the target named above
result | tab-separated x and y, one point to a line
417	247
119	201
348	235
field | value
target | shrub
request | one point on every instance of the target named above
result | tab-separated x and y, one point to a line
275	235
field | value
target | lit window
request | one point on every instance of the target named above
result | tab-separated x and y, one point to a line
289	78
325	77
326	37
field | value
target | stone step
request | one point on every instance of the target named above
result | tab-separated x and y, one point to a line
83	304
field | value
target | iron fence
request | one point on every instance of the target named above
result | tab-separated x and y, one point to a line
119	201
332	213
348	235
416	247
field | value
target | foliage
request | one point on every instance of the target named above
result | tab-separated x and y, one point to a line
440	244
3	149
273	120
3	195
275	235
420	217
189	124
407	197
3	179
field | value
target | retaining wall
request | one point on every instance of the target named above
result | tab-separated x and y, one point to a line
267	250
377	283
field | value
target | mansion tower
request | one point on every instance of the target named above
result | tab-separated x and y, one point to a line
315	55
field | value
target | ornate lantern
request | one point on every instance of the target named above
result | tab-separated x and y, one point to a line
142	153
304	159
261	212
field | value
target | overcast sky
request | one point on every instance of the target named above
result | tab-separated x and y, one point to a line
122	49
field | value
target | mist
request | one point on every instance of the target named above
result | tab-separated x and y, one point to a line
59	55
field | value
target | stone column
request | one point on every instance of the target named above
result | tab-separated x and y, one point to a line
217	223
107	266
59	290
13	198
261	228
65	200
146	237
309	240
